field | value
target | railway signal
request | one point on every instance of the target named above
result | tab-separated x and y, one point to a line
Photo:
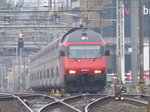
20	41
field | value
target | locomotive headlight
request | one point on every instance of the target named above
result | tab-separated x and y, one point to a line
122	98
117	98
72	71
97	71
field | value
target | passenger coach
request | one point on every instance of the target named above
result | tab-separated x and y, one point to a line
76	62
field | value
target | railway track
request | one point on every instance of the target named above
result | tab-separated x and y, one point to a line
36	101
109	104
59	106
45	103
80	101
75	103
139	97
12	103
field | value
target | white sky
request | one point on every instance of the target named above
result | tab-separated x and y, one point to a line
40	1
32	0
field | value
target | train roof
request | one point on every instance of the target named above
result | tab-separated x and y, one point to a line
74	35
81	35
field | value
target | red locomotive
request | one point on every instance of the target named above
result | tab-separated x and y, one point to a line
76	62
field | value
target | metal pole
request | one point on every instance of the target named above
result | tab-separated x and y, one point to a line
149	40
141	83
24	74
67	4
1	77
14	73
120	41
101	17
134	42
7	78
54	6
4	74
20	58
149	56
87	13
50	4
19	87
38	19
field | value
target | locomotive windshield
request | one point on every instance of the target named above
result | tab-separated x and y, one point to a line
84	51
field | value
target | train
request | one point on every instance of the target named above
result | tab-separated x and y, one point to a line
75	62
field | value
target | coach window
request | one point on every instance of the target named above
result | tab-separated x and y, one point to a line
47	73
44	75
52	73
57	73
40	74
31	77
37	75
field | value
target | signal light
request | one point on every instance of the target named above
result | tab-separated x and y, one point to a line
20	41
20	37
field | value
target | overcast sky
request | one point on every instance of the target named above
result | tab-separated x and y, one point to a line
40	1
34	0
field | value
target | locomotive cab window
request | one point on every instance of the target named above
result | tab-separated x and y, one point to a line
85	51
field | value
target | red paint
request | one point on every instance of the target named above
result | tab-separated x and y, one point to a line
82	66
100	43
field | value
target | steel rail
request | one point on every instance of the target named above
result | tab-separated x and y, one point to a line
135	101
81	96
58	104
87	108
19	99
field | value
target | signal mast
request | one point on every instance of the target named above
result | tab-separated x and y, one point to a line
120	44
